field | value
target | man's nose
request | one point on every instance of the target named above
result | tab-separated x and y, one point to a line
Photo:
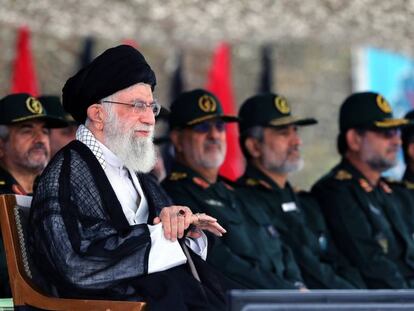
148	117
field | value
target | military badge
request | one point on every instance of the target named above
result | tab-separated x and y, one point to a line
207	103
365	185
34	106
383	104
177	176
282	105
343	175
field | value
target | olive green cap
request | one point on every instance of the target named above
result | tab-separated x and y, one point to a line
269	110
54	107
194	107
368	110
21	107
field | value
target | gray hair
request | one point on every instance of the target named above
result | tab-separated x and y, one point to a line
256	132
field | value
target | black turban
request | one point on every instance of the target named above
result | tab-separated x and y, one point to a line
114	70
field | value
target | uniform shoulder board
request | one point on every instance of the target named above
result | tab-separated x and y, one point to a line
343	175
2	182
252	182
409	185
201	182
177	176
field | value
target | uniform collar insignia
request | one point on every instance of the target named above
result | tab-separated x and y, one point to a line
265	184
384	186
365	185
228	186
201	182
343	175
177	176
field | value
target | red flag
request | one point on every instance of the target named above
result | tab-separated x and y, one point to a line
219	83
24	76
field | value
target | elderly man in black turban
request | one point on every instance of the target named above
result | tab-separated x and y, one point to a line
101	227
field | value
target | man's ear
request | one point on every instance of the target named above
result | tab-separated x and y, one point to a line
353	140
97	116
253	147
175	137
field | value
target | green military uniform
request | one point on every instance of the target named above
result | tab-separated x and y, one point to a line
366	220
301	225
13	109
251	255
256	259
367	225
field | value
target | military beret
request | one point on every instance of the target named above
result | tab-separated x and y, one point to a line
194	107
268	109
23	107
367	110
114	70
54	107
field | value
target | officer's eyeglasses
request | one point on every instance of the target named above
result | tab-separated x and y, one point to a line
206	127
139	106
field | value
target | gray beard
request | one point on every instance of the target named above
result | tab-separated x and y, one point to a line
137	153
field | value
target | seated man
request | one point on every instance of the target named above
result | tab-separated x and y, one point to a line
24	152
59	137
100	226
361	209
270	141
251	257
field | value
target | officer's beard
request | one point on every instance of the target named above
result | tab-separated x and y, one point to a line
281	163
35	162
136	153
379	163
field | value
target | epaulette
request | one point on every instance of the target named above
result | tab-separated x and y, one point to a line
2	182
409	185
343	175
251	182
201	182
177	176
365	185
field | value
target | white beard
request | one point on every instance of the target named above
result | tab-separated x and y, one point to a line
137	153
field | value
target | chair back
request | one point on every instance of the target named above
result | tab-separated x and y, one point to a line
14	214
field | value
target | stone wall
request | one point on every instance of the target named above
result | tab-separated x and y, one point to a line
314	77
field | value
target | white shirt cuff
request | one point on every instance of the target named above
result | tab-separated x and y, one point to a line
164	254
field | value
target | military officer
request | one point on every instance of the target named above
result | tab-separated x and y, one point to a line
270	142
252	258
360	207
24	152
59	137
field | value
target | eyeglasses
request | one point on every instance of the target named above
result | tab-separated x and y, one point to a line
206	127
139	106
